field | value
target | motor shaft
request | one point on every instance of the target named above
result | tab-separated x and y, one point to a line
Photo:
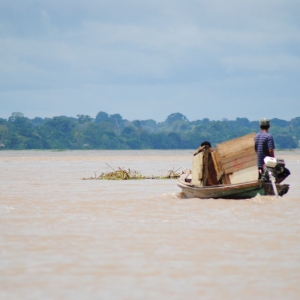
272	178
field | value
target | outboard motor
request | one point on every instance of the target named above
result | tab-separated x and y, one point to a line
274	171
274	167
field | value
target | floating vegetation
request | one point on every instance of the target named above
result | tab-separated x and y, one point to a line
122	174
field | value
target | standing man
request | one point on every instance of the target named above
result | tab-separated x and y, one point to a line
264	144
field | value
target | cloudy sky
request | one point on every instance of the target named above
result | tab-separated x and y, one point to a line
148	59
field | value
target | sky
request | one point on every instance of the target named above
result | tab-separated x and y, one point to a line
148	59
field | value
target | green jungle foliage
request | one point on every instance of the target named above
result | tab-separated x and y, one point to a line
113	132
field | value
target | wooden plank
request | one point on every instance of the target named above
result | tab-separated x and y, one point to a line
247	152
218	160
236	145
242	166
212	174
205	165
245	175
199	150
200	175
215	161
240	141
197	169
225	178
220	175
218	166
239	162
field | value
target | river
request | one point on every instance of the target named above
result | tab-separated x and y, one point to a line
63	237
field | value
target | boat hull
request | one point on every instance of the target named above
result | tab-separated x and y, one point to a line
244	190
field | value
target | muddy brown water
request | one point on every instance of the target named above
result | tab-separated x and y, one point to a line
65	238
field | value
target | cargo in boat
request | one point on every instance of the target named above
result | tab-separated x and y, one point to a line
229	171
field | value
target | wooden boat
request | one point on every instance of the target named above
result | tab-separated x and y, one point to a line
228	172
244	190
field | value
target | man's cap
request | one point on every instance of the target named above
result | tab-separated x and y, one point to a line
264	122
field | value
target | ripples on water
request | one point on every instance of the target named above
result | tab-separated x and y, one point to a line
65	238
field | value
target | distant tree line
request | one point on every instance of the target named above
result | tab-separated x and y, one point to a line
113	132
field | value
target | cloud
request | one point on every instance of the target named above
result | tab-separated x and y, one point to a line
191	47
265	64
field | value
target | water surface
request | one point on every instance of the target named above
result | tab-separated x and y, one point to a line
63	237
